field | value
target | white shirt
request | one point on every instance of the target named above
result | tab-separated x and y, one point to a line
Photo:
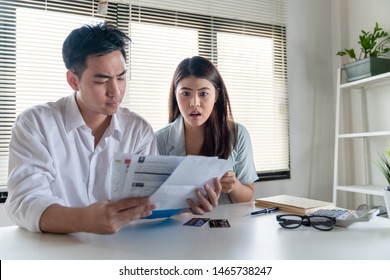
52	158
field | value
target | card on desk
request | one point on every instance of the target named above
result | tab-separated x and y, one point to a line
196	222
219	223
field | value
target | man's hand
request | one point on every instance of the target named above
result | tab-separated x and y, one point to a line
103	217
109	217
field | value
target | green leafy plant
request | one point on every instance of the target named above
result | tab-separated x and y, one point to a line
384	164
372	44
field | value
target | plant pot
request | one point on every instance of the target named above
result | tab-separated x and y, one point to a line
366	67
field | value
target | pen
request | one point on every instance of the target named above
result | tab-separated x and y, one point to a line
266	210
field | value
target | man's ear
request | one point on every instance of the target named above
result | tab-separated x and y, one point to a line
73	80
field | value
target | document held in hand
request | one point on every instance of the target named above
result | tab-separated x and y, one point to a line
168	180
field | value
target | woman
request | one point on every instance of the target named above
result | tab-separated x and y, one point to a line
201	123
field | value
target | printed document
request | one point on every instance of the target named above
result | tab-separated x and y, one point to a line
168	180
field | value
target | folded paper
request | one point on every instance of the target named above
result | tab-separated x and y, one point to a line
168	180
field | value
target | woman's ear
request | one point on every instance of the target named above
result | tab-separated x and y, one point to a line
73	80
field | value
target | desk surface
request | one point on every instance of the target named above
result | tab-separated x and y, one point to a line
249	237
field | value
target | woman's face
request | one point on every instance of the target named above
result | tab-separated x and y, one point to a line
195	98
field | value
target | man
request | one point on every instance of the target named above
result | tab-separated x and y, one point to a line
61	152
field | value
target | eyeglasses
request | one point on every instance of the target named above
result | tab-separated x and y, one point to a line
290	221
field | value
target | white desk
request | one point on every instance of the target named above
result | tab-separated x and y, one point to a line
4	219
257	237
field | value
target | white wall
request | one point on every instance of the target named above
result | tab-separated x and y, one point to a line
363	15
311	102
316	31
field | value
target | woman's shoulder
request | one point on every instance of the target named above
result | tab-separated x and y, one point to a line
241	129
166	139
243	136
164	131
173	127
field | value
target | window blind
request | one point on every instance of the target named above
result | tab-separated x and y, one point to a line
245	39
31	67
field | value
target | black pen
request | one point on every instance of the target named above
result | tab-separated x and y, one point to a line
266	210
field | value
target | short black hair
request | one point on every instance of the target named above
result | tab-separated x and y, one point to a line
92	40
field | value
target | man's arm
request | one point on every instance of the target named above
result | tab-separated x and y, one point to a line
104	217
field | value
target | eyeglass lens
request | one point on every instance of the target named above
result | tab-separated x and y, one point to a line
294	221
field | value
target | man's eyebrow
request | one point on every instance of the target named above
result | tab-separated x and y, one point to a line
103	76
123	73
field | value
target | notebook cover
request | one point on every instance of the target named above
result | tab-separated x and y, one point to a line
293	204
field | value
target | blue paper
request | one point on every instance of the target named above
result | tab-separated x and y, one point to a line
164	213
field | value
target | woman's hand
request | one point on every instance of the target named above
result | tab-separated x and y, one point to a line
229	182
237	191
206	202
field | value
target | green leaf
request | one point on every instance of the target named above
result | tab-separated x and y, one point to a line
384	166
351	53
373	44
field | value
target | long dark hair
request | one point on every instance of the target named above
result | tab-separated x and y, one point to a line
220	131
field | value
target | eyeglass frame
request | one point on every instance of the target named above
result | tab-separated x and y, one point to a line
306	218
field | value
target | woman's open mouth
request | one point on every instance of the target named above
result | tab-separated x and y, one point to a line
195	114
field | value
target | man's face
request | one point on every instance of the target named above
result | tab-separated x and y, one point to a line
102	85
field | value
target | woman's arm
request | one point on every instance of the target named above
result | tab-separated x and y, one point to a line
238	192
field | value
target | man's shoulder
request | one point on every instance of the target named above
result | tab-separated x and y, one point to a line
128	118
44	110
125	114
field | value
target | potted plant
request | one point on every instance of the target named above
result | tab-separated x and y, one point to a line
373	45
383	164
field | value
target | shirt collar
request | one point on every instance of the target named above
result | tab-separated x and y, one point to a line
115	128
176	137
73	119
